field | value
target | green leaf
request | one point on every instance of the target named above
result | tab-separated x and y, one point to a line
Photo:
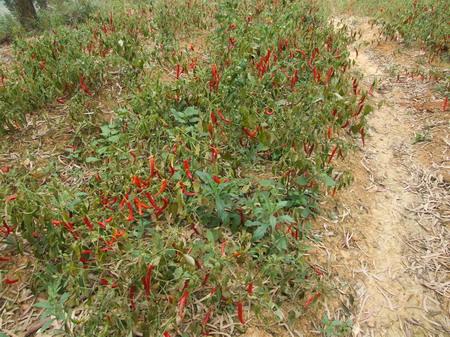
92	159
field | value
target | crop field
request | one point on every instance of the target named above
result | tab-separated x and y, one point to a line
164	164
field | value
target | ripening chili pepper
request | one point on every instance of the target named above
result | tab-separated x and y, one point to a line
311	299
240	312
178	71
187	170
213	118
216	179
222	117
445	104
182	303
362	133
147	279
250	288
42	65
250	134
84	87
222	247
131	297
151	161
133	155
9	281
329	132
330	158
88	223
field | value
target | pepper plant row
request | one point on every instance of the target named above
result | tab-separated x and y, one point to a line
195	201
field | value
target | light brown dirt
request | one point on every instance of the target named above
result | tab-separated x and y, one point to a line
382	259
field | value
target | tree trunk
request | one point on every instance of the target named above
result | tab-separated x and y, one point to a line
43	4
26	13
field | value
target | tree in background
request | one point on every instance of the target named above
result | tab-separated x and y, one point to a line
25	10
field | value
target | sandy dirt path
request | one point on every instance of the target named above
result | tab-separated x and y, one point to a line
392	256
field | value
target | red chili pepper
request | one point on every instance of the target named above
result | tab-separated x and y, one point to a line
84	87
161	209
123	201
445	104
5	169
316	74
250	288
187	170
216	179
250	134
330	74
294	79
330	158
330	131
268	112
147	279
10	281
171	170
166	334
334	112
130	212
205	280
222	117
214	153
104	282
311	299
213	118
11	198
162	188
240	312
56	222
214	82
151	161
182	304
131	297
88	223
207	317
5	259
151	200
347	123
185	192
